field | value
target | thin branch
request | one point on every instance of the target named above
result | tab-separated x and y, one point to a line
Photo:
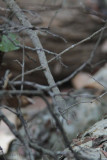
8	108
36	42
17	92
43	150
28	83
88	61
16	133
65	51
60	127
23	140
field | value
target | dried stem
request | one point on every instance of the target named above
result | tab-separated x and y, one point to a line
37	44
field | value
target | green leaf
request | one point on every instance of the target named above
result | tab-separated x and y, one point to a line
6	45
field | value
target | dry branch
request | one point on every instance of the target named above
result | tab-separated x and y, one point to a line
37	44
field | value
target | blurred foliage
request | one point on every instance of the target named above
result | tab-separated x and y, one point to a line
9	43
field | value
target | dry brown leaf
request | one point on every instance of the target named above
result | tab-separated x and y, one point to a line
80	80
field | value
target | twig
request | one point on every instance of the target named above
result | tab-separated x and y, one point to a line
23	140
36	42
17	134
88	61
43	150
17	92
65	51
60	127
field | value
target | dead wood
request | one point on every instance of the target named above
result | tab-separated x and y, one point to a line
70	23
